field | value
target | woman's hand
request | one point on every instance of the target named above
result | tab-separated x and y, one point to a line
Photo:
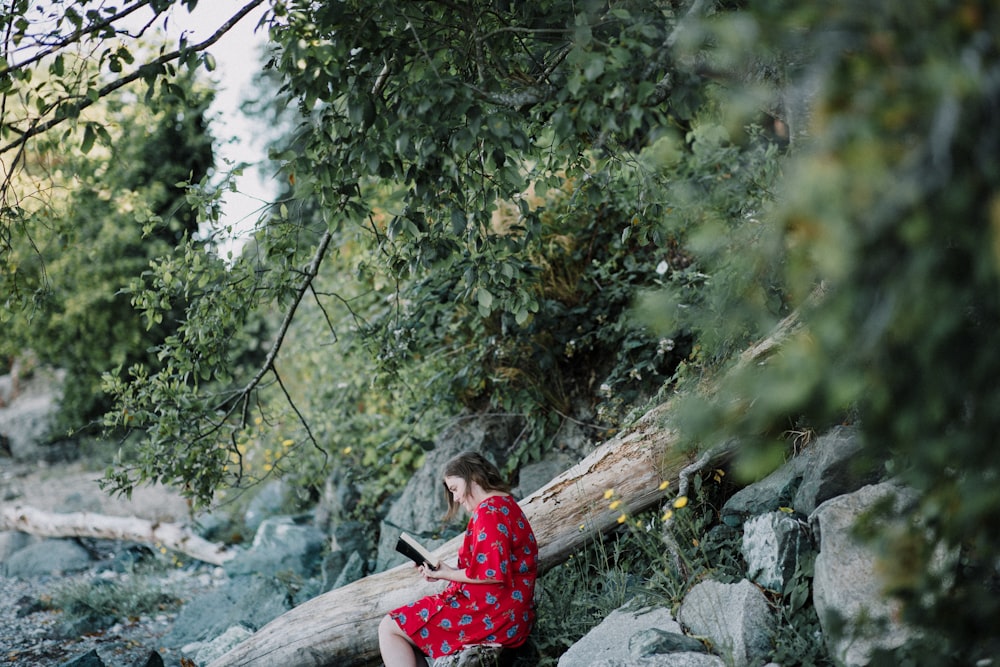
443	572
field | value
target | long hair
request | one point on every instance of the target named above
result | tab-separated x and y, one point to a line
472	467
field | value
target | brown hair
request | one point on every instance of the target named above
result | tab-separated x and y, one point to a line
472	467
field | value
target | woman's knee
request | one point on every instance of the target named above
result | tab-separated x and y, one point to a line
388	626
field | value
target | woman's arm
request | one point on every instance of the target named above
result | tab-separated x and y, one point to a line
446	572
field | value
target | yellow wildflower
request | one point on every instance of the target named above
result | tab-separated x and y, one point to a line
681	501
622	518
615	505
668	515
287	442
664	484
347	450
608	494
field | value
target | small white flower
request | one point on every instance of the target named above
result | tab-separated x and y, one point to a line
662	267
665	345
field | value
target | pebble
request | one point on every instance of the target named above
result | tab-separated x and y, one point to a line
28	630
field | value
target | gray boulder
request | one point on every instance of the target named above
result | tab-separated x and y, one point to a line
769	494
536	475
773	543
209	651
45	558
609	640
655	641
735	618
282	545
856	616
830	466
26	424
269	501
837	465
12	541
422	504
353	570
250	601
688	659
338	500
88	659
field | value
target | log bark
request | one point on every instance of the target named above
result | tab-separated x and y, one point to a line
340	627
175	537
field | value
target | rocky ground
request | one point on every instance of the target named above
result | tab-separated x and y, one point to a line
30	632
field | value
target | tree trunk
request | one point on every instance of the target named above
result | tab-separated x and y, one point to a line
340	627
130	529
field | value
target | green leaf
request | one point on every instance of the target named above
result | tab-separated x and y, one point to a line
485	299
88	138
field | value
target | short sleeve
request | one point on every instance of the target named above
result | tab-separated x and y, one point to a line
490	544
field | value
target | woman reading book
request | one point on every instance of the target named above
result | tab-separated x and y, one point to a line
489	596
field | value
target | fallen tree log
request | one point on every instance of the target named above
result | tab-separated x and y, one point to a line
175	537
340	627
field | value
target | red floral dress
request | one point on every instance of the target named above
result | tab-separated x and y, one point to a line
498	544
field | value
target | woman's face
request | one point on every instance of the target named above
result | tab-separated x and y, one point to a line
459	491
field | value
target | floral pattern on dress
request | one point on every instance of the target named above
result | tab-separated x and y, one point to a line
498	544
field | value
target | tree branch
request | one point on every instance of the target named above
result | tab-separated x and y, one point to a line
75	108
72	38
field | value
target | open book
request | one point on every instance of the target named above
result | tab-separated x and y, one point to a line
415	551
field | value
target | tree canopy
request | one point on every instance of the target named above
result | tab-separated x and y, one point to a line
558	210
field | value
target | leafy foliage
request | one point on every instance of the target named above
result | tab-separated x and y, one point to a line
104	217
478	190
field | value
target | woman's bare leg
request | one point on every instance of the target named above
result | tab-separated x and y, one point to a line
394	644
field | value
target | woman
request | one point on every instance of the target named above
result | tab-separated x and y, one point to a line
489	598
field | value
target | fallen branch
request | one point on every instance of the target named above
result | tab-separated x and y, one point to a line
172	536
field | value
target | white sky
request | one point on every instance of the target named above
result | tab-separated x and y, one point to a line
237	138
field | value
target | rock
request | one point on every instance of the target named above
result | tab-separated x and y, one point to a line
767	495
837	465
856	617
536	475
654	641
46	557
281	545
216	648
421	505
217	526
480	655
735	618
666	660
89	659
151	660
608	641
269	501
12	541
773	543
339	499
830	466
26	421
251	601
353	570
77	502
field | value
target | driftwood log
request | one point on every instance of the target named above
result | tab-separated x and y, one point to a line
175	537
340	627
